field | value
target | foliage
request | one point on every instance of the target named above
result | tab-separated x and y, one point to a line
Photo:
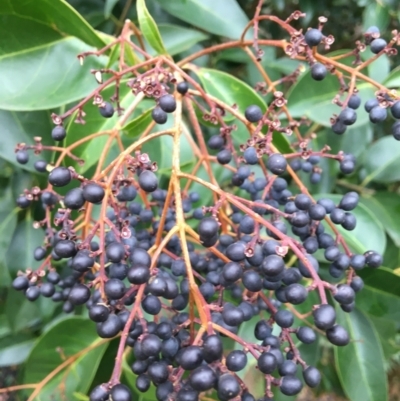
232	54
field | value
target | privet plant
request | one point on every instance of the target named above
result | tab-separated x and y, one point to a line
173	258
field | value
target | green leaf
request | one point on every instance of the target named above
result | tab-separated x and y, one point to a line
382	161
223	18
18	127
24	241
108	7
65	339
20	312
360	364
386	207
381	279
46	76
393	79
15	354
8	222
368	234
136	127
31	23
178	39
149	28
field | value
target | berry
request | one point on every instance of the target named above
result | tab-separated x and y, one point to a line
212	348
396	130
287	368
306	335
267	362
296	293
158	372
60	176
312	376
347	116
236	360
253	113
159	115
109	328
357	284
138	274
99	313
93	193
191	357
370	104
339	127
252	281
23	202
273	265
107	110
377	114
291	385
115	252
40	166
317	212
99	393
151	345
354	102
373	259
313	37
22	157
120	392
284	318
148	181
58	133
277	164
74	199
65	249
182	87
338	335
202	378
79	294
377	45
228	387
395	109
216	142
324	316
20	283
344	294
250	155
167	103
143	383
114	288
318	71
224	156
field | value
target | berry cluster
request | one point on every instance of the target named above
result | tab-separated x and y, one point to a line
173	276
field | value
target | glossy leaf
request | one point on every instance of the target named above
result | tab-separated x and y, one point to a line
382	279
386	207
20	312
19	255
47	76
149	28
382	161
64	340
178	39
360	364
137	126
15	354
21	127
223	18
108	7
8	222
368	234
44	21
393	79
